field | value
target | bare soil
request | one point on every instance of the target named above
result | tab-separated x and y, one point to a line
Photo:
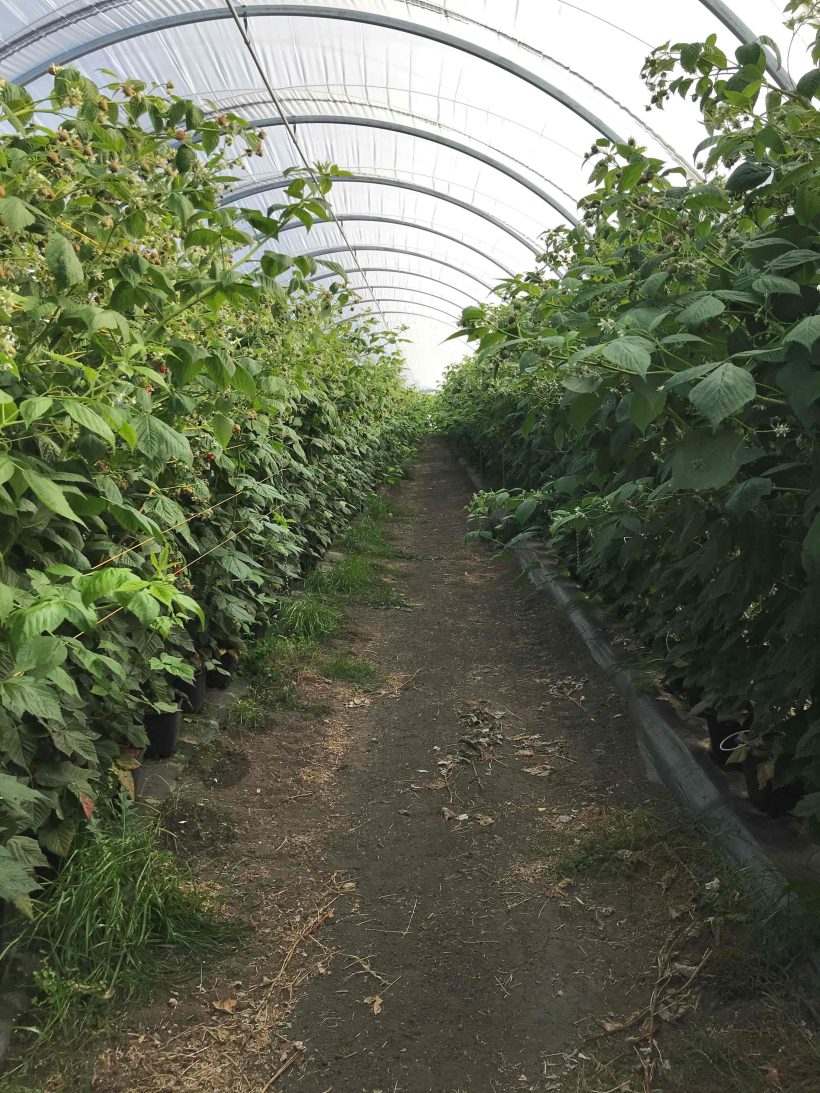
404	864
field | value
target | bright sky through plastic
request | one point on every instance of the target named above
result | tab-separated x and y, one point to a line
491	103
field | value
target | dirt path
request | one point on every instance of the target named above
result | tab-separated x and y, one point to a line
483	972
403	859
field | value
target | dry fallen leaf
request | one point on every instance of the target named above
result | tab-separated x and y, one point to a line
226	1005
539	772
610	1026
375	1000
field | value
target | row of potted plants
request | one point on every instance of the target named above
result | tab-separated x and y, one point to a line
648	400
185	424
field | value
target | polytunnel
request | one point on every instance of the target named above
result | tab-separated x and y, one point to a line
463	125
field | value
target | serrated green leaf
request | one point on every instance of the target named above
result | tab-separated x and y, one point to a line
32	409
16	882
160	442
806	332
50	494
702	310
103	583
747	495
88	419
769	283
750	174
15	213
632	354
222	428
62	260
724	391
706	462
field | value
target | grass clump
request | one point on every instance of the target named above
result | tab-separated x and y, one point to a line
623	838
119	912
308	619
349	669
355	575
367	537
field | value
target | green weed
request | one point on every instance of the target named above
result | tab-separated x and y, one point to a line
308	618
367	536
354	576
351	670
118	912
624	837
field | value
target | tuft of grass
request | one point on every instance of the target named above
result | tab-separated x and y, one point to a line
354	575
308	619
624	837
117	913
351	670
381	508
367	536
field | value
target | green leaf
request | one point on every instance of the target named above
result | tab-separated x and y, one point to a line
62	260
746	496
25	695
701	310
706	462
808	806
750	174
159	441
15	213
525	510
73	742
222	428
723	392
88	419
16	882
26	852
144	606
15	795
806	332
631	353
185	159
50	494
102	584
809	84
583	408
810	551
32	409
58	836
243	382
768	283
644	407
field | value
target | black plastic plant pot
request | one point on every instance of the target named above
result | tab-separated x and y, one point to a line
217	678
163	734
773	800
192	695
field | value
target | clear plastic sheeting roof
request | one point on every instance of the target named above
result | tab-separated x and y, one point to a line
464	123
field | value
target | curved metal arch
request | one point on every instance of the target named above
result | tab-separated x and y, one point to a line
411	131
404	288
406	314
732	21
394	250
439	311
374	219
403	184
403	272
317	11
416	314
